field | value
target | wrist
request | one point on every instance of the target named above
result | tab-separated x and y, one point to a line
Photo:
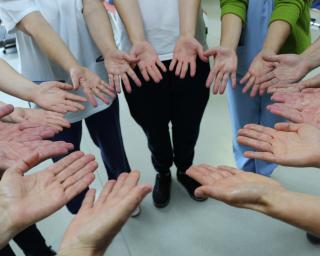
271	200
81	251
8	230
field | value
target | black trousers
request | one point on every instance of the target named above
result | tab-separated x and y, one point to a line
30	241
180	102
105	131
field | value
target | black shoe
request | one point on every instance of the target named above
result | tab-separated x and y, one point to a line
46	251
190	185
313	239
161	190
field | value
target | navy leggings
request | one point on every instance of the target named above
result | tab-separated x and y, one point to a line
105	131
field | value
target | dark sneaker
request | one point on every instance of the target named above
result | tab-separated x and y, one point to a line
161	190
313	239
190	185
47	251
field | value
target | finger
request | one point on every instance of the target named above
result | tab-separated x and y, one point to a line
6	110
255	144
264	156
79	187
144	73
245	78
230	170
178	68
224	83
193	68
74	105
74	167
90	96
204	174
134	77
234	79
131	181
208	191
106	191
117	83
64	86
74	177
112	83
157	72
184	69
260	136
161	66
88	201
62	164
254	90
126	82
74	97
101	96
217	83
155	77
120	181
173	64
106	89
260	128
287	127
210	79
286	112
265	78
60	121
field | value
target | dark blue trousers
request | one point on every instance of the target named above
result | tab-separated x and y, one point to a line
104	129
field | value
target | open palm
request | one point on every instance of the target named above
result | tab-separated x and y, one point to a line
30	198
232	186
288	144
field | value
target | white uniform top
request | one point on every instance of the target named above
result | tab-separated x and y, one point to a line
161	26
65	17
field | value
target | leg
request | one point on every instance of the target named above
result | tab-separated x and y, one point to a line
32	242
105	131
190	97
150	107
243	110
7	251
72	135
267	119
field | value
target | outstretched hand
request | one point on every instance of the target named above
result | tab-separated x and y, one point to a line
93	86
296	145
225	67
54	96
97	223
185	55
119	67
26	199
299	107
149	63
232	186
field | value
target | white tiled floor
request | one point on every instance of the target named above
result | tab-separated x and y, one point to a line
185	227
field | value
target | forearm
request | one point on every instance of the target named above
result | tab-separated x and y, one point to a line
81	252
15	84
312	55
6	228
188	13
297	209
48	40
99	25
131	17
278	34
231	27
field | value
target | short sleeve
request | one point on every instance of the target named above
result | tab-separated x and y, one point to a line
13	11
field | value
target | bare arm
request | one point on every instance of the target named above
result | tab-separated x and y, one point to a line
188	13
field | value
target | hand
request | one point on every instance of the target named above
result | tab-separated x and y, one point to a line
289	68
313	82
258	68
149	62
118	65
301	107
24	200
39	116
53	96
232	186
92	85
97	224
185	55
288	144
225	66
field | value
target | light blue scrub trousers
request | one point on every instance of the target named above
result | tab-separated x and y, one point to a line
243	108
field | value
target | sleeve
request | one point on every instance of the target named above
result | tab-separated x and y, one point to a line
13	11
289	11
236	7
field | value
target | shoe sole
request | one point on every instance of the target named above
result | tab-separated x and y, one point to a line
163	205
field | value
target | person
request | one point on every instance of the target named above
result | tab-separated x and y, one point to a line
54	37
271	27
172	32
26	199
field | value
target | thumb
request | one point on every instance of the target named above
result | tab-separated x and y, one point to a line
63	86
26	164
287	127
6	110
201	54
130	58
271	58
210	52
